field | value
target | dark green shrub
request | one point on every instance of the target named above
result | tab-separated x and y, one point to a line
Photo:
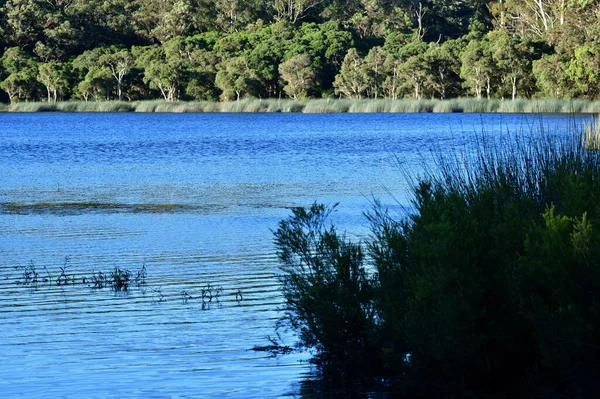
329	296
492	284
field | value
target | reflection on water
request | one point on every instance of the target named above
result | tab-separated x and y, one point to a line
193	199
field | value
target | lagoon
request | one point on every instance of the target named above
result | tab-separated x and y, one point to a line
192	198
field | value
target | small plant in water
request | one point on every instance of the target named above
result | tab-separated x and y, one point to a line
30	275
209	293
157	295
98	280
185	297
63	278
140	277
119	279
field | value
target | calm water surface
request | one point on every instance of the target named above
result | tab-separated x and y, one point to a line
194	199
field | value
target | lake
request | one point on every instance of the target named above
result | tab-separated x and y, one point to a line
191	199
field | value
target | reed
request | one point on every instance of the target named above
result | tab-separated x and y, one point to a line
32	107
321	106
327	106
592	135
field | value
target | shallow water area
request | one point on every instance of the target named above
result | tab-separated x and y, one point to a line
191	199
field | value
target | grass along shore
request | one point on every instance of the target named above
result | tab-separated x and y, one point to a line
320	106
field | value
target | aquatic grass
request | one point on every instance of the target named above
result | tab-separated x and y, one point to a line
592	135
64	277
30	275
120	279
147	106
246	105
447	106
321	106
327	106
32	107
293	106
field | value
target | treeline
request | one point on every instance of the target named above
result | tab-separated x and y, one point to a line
231	49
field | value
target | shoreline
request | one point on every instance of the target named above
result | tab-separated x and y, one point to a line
320	106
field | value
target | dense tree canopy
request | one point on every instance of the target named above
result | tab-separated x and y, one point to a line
209	49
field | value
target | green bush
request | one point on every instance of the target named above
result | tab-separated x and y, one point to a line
329	296
491	286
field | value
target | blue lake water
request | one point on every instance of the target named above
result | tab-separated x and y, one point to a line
193	198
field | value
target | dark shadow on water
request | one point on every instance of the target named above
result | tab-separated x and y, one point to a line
332	383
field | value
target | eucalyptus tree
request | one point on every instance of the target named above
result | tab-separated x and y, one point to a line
55	77
165	68
551	78
24	22
374	62
584	71
353	80
119	62
443	65
162	20
94	77
299	76
511	57
236	80
476	68
21	70
294	10
413	67
391	83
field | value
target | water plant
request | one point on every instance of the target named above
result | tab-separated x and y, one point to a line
99	280
592	135
141	274
157	295
64	277
120	279
30	274
321	106
185	297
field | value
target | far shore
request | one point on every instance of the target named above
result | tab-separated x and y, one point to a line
321	106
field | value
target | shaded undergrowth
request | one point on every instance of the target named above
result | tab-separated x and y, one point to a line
320	106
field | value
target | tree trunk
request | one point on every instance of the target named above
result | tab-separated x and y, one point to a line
514	88
162	91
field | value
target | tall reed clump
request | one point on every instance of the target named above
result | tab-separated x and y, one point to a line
592	135
490	287
32	107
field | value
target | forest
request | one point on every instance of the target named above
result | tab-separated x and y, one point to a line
178	50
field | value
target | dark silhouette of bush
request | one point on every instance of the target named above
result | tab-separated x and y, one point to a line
491	286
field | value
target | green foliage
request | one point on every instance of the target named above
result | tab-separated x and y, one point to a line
329	296
299	75
178	49
491	286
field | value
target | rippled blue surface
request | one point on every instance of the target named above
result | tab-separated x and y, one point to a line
194	198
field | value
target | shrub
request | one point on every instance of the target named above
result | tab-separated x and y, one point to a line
329	296
492	284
